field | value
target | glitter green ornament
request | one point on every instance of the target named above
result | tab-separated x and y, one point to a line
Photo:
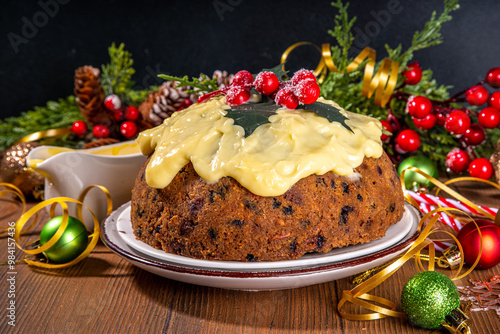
428	297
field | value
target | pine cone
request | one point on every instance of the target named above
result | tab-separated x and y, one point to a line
164	102
223	78
90	94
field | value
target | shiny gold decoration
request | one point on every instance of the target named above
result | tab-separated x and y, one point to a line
14	169
381	83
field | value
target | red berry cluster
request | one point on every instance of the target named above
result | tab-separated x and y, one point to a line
302	88
426	114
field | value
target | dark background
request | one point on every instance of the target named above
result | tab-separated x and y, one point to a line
189	37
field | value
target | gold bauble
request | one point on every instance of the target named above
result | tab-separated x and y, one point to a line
14	169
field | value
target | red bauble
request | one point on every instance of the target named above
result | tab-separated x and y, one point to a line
131	113
112	102
419	106
489	117
387	127
237	95
79	128
457	160
128	129
242	78
476	95
413	74
408	140
470	241
481	168
425	123
302	75
493	77
457	122
307	91
100	131
286	98
494	100
266	83
474	135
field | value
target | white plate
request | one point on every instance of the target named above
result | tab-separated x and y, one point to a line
278	275
393	235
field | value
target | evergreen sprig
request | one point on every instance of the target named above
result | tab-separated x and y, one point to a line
203	84
116	76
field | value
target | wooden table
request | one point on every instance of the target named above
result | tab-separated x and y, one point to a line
105	294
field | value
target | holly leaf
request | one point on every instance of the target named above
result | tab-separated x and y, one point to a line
327	111
252	115
278	70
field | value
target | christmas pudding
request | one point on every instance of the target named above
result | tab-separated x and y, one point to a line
257	182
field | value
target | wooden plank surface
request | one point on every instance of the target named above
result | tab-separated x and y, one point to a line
105	294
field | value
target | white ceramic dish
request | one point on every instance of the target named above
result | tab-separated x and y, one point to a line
312	269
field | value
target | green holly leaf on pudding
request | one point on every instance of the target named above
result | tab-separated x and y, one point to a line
252	115
327	111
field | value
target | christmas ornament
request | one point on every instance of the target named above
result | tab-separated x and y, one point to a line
471	242
70	245
14	169
428	298
414	180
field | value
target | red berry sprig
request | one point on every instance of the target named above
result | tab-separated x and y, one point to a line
465	123
301	88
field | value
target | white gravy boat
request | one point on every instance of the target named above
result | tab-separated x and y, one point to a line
68	172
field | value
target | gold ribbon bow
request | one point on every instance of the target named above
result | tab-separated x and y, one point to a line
381	83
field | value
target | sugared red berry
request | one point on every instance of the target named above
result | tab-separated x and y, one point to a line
408	140
112	102
474	135
266	83
286	98
481	168
100	131
242	78
128	129
425	123
237	95
493	77
131	113
489	117
307	91
386	126
494	100
457	160
301	75
413	74
419	106
476	95
79	128
457	122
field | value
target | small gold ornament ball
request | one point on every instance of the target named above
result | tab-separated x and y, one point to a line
14	169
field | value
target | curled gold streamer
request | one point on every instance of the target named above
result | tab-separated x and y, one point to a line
56	133
359	294
53	202
382	83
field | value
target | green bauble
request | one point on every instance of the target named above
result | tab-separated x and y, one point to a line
414	180
72	243
428	297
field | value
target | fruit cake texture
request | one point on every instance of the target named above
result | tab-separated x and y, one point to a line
225	221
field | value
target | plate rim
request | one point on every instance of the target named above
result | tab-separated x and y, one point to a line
145	260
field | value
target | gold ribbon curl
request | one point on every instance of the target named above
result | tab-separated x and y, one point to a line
53	202
382	83
359	294
55	133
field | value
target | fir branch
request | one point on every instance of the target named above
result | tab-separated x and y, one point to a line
342	33
117	74
429	36
60	114
203	84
